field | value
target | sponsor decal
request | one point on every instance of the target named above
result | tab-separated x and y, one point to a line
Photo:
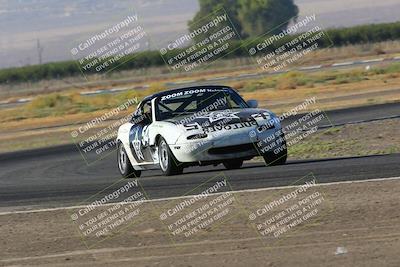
192	126
137	143
228	127
193	91
263	116
220	115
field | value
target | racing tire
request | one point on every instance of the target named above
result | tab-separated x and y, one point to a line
275	159
233	164
169	165
124	165
272	159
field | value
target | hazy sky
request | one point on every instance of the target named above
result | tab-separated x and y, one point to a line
59	24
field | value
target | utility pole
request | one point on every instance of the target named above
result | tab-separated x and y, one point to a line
40	51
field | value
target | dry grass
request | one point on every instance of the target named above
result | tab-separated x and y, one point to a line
296	86
277	92
62	104
350	140
219	68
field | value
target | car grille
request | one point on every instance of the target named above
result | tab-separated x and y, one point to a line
231	149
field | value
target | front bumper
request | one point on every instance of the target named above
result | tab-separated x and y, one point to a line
225	145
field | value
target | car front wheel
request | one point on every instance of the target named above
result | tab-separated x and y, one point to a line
233	164
274	159
168	163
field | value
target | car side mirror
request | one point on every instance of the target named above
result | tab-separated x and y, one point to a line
136	119
252	103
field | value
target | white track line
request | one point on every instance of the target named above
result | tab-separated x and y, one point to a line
372	60
343	64
247	74
23	100
216	78
311	67
191	196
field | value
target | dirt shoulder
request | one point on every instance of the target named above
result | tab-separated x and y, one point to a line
357	224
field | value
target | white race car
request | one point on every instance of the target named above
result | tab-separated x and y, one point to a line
200	125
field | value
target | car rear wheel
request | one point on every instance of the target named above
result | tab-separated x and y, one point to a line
124	165
233	164
168	163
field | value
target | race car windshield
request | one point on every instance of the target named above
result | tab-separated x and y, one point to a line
197	100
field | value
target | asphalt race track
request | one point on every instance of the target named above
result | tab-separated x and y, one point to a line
58	176
358	114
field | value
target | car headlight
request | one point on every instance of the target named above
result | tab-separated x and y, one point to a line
197	136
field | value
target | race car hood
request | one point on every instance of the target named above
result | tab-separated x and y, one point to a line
223	117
